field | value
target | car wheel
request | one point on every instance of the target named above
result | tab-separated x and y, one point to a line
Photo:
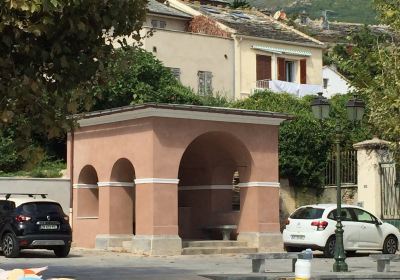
329	250
62	251
351	253
390	245
10	246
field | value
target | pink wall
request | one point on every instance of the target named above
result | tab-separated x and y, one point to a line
154	147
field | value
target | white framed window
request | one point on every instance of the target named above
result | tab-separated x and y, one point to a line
325	83
158	23
176	72
290	67
205	82
162	24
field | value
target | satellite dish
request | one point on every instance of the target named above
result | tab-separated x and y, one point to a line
277	15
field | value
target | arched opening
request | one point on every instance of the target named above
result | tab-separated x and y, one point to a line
123	176
236	191
123	171
206	184
88	193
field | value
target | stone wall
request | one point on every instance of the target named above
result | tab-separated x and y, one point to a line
292	197
57	189
349	194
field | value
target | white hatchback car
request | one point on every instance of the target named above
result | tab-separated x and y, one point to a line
313	226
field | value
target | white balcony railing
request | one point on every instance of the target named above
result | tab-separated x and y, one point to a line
262	84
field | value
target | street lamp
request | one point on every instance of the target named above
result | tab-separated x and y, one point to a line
355	111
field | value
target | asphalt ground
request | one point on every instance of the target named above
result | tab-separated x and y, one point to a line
97	264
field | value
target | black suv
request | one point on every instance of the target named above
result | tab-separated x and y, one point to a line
31	221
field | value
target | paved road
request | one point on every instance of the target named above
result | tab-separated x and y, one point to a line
94	264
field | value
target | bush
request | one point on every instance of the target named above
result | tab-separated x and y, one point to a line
9	158
304	142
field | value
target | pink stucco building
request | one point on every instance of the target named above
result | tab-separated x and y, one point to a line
156	174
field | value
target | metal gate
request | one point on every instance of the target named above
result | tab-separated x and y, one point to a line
390	187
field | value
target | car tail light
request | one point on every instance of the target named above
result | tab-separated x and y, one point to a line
321	225
23	242
66	218
22	218
287	222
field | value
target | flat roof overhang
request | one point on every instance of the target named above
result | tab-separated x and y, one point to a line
179	111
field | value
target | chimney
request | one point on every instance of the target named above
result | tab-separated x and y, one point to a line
325	22
303	17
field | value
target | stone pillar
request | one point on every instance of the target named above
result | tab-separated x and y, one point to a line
370	154
259	218
116	206
156	217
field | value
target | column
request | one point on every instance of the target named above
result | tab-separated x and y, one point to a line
157	217
370	154
116	208
259	219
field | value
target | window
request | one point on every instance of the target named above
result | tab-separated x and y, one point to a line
346	215
176	72
40	208
6	206
158	23
325	81
363	216
290	71
307	213
205	82
287	70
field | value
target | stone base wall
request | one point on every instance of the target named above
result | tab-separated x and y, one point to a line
292	197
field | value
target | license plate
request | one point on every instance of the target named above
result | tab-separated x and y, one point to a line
46	227
297	237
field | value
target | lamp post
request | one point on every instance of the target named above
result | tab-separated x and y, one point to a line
355	111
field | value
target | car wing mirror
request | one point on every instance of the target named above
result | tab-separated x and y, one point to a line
378	223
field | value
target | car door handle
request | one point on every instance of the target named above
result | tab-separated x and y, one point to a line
363	227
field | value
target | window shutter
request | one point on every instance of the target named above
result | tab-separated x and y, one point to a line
303	71
201	75
263	67
208	79
281	69
205	82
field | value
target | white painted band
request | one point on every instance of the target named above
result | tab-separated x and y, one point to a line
87	218
205	187
84	186
116	184
260	184
156	181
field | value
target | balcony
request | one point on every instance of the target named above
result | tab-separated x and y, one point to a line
262	84
283	86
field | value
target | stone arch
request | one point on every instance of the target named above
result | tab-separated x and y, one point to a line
122	180
206	173
88	192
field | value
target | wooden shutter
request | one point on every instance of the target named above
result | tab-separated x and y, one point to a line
281	69
303	71
263	67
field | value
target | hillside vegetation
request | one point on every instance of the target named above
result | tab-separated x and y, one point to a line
360	11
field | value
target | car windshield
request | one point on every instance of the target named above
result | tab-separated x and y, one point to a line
40	208
307	213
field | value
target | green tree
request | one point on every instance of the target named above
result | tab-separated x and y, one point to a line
304	142
236	4
47	48
373	67
133	76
